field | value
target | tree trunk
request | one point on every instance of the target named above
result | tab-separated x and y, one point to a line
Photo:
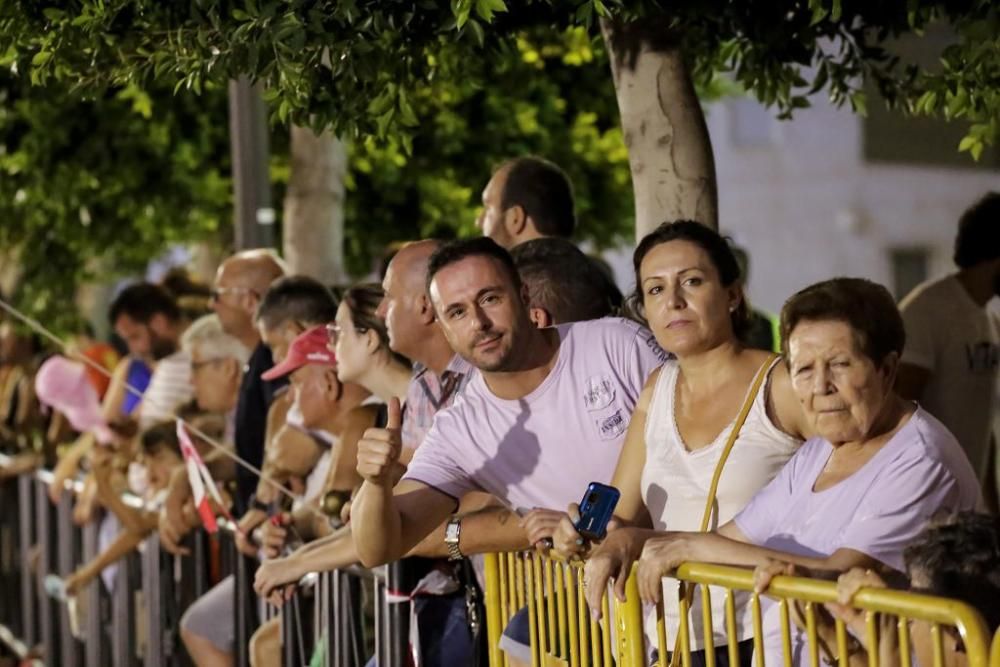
313	220
669	150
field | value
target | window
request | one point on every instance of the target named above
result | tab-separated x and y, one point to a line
909	269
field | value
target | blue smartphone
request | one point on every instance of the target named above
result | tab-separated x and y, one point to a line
596	509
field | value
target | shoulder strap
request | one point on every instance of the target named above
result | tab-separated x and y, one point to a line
706	518
686	591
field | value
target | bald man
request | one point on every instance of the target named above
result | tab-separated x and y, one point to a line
208	627
414	333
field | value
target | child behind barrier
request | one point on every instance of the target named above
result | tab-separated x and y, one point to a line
957	559
159	456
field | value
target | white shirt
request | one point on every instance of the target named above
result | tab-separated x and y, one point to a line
676	481
169	388
955	339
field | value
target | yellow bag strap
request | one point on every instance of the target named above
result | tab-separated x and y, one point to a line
685	591
706	518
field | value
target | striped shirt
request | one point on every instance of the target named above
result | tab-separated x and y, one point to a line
169	389
427	394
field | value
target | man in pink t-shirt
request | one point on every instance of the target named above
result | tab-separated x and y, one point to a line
545	415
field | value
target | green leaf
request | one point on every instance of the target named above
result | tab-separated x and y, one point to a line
41	58
967	143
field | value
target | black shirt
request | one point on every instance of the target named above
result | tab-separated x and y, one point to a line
251	421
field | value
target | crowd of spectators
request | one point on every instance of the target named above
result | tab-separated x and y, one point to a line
462	405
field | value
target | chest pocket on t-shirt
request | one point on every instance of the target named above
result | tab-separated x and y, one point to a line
599	392
612	424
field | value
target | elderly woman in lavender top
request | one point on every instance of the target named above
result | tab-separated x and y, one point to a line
858	493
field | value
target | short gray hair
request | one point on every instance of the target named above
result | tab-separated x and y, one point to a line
206	335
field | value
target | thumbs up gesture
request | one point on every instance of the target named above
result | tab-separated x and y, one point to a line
378	449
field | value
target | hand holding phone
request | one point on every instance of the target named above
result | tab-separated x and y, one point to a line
596	510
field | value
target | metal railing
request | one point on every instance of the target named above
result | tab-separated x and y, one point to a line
137	622
562	632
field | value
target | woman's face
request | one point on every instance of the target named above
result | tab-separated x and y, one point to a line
687	306
841	390
352	347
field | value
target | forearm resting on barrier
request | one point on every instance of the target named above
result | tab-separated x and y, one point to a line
491	529
123	544
109	495
389	523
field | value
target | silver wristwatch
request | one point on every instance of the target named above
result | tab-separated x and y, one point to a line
452	531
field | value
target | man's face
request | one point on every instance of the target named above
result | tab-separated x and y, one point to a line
216	382
483	316
400	308
316	392
233	301
279	338
491	220
148	341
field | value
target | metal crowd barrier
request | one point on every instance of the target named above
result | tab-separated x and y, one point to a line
137	622
562	633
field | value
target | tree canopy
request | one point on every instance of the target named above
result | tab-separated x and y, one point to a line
357	65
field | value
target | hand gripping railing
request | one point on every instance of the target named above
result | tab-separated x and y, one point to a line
562	633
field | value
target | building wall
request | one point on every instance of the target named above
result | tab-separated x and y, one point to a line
802	199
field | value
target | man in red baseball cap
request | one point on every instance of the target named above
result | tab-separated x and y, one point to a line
324	402
312	369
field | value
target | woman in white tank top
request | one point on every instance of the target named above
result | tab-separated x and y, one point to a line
688	289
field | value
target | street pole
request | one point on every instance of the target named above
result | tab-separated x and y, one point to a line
253	212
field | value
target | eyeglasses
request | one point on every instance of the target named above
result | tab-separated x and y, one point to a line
333	331
216	293
197	365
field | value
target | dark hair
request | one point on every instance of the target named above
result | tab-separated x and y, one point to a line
362	301
565	282
863	305
142	301
544	191
159	437
483	246
961	558
719	252
299	299
978	238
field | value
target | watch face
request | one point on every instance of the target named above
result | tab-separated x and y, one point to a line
451	532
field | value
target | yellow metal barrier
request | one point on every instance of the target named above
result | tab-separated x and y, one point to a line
563	634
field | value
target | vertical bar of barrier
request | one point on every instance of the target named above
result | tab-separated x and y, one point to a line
842	651
519	583
561	629
706	622
123	614
66	557
550	605
811	634
731	631
493	613
244	600
26	521
289	654
628	623
786	631
936	643
46	606
758	629
871	630
661	635
905	658
573	630
322	624
94	653
683	641
153	598
381	642
583	617
540	621
606	629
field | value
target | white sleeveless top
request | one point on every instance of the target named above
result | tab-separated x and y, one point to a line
676	481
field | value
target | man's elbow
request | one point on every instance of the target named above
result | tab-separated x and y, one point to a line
373	555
